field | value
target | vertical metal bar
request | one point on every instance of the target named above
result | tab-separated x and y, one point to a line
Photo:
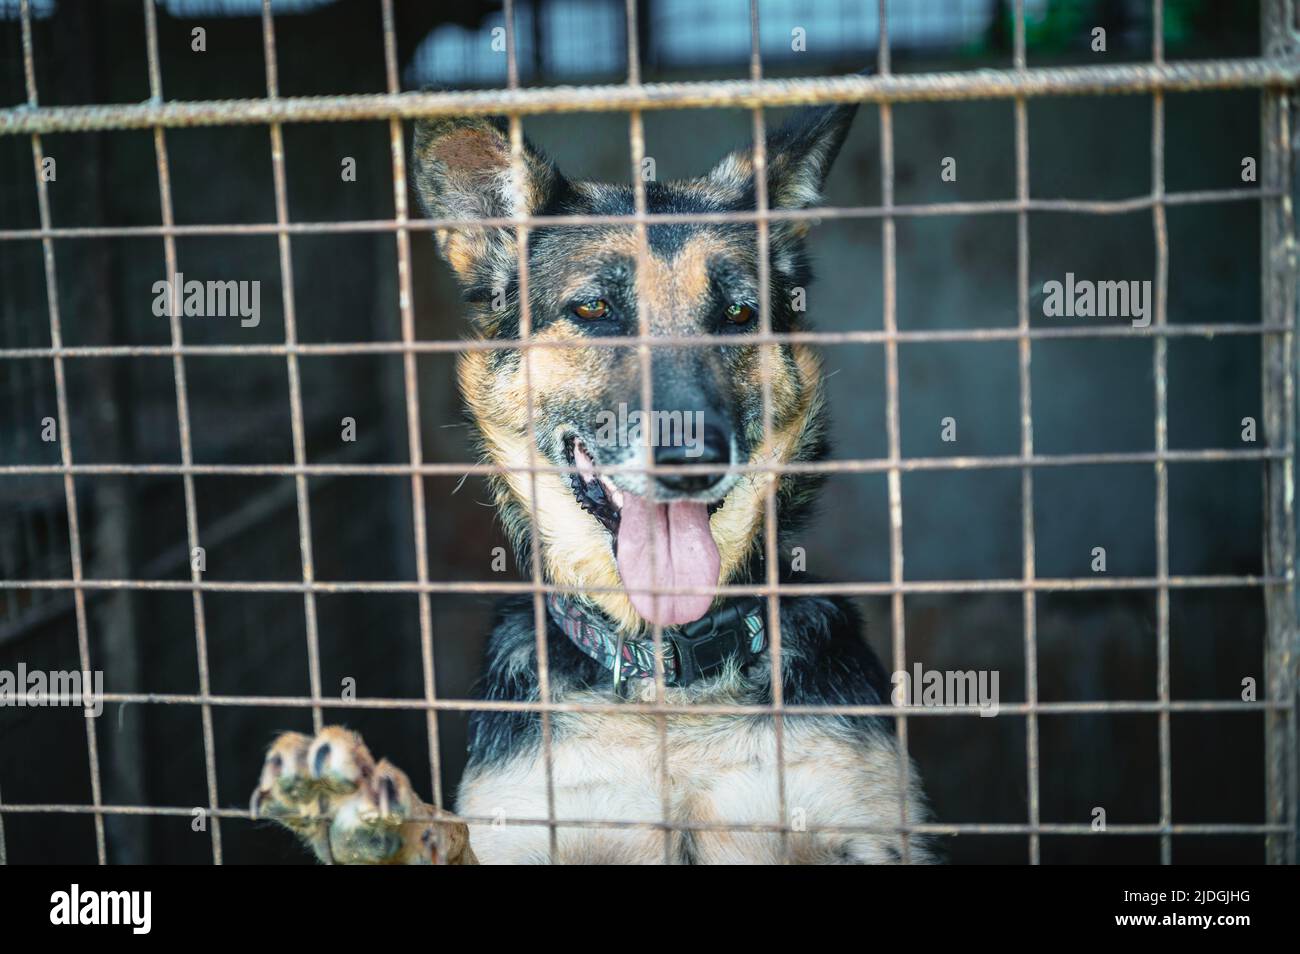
636	138
1162	431
517	171
1026	448
65	431
415	442
183	425
295	384
4	852
893	422
768	355
1279	274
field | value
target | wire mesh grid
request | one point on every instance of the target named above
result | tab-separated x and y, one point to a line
1275	73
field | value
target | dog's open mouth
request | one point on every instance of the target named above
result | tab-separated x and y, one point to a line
656	545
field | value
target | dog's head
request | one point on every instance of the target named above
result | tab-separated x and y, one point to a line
608	529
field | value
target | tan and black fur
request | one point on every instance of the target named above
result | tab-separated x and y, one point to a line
721	770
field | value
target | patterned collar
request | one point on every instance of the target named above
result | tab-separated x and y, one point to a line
698	650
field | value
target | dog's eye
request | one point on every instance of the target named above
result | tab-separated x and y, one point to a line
739	314
591	310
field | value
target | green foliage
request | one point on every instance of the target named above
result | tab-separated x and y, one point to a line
1062	25
1058	26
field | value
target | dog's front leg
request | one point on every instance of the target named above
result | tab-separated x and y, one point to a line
351	810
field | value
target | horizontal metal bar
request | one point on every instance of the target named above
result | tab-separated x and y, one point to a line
698	708
923	828
824	338
928	828
1039	585
860	466
1141	203
1186	76
970	828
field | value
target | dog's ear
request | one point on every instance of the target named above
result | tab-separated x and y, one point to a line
800	154
799	157
461	170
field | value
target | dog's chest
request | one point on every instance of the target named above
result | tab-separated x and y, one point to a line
719	771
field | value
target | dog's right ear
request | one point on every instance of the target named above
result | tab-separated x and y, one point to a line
462	171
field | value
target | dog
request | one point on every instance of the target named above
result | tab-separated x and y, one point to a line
610	534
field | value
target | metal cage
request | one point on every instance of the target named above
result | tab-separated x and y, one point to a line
1274	74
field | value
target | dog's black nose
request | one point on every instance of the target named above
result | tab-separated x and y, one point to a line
713	446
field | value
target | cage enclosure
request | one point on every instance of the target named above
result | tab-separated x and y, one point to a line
275	518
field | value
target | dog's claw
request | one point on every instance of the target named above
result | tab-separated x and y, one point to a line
349	809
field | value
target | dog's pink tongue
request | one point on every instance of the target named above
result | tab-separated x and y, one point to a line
684	555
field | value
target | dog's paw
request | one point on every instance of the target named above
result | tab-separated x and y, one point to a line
351	809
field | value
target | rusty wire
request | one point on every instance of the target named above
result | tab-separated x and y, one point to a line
415	445
864	465
64	418
956	828
1276	73
1262	73
654	708
183	429
636	148
1161	377
297	427
1025	354
893	418
1041	584
830	213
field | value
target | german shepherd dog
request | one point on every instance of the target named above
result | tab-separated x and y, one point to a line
609	534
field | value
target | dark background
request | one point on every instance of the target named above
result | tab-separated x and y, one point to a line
953	272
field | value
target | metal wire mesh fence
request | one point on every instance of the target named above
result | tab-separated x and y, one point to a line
1275	74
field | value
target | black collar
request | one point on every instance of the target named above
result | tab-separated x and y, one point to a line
698	650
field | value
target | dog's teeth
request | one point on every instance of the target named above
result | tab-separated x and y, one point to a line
586	466
613	493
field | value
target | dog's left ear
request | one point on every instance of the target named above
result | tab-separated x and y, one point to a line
799	157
